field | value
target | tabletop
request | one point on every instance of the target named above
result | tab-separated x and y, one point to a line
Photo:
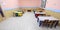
40	12
42	18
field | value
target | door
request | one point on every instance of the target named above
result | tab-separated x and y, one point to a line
43	3
1	12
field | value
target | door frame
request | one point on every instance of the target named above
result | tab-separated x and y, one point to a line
43	3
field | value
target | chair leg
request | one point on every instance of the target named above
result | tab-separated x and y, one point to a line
56	24
51	25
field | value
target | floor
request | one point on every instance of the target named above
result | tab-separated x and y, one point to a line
26	22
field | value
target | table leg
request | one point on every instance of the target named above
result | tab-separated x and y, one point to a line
40	23
37	19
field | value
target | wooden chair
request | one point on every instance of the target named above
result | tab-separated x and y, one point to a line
56	22
45	22
50	24
29	10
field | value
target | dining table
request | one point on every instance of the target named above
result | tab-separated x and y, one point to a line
40	19
39	14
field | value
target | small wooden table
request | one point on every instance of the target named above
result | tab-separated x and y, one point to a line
16	13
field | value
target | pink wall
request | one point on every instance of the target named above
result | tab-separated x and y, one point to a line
55	4
29	3
9	4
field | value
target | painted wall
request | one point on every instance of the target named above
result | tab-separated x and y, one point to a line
29	3
53	5
9	4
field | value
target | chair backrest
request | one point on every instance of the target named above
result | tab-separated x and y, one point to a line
46	20
50	21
